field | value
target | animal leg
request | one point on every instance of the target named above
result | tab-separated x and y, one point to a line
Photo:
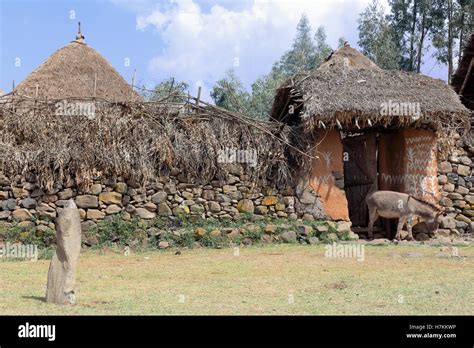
401	222
373	215
409	226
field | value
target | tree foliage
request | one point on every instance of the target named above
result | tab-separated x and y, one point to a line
302	55
376	37
263	92
400	39
168	89
305	54
323	50
454	25
229	93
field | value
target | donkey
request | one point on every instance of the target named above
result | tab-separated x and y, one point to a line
392	205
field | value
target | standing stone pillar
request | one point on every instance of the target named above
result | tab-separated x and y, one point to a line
62	270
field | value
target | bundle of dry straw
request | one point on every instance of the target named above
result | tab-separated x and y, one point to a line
141	141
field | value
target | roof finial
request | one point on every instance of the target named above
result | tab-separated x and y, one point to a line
79	36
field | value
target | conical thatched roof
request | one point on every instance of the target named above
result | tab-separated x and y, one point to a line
348	90
348	58
75	71
463	79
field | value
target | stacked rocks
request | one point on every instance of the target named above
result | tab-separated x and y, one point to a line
21	199
457	190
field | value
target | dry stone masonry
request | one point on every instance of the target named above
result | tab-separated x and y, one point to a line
457	189
22	201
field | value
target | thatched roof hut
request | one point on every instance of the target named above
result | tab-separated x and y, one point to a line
379	130
463	79
348	90
79	71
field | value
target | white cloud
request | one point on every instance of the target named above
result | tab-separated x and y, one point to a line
202	41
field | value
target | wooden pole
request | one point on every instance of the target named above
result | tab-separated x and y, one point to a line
468	75
133	84
198	96
171	87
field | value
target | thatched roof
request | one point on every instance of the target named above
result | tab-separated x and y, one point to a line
2	92
76	70
348	91
463	79
349	58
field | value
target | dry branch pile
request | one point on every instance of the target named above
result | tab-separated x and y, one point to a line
140	141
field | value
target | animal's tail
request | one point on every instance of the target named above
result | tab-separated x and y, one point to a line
373	189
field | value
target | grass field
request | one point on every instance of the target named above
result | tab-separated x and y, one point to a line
276	279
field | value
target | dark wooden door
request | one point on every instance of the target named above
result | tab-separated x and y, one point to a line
360	174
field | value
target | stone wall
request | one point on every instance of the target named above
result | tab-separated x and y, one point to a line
21	200
457	188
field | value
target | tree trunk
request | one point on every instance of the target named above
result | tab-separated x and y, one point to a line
422	41
461	35
412	36
450	40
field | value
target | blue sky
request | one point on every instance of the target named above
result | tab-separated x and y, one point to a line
191	40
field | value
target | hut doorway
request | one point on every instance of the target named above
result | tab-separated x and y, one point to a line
360	174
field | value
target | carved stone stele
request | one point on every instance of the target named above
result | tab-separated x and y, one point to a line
62	270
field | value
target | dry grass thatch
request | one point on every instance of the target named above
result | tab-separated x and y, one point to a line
76	70
140	141
348	91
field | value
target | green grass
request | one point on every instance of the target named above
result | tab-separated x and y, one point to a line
260	280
